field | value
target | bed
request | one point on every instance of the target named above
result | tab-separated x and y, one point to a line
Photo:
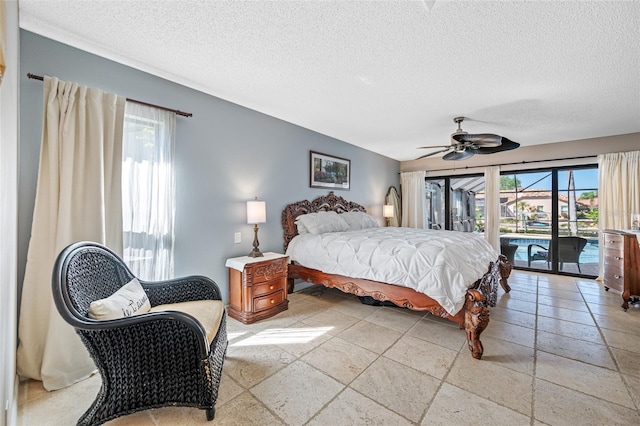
470	303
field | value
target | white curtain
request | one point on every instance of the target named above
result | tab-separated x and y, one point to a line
492	206
78	197
148	191
413	199
618	191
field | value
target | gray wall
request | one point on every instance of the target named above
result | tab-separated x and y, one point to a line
226	154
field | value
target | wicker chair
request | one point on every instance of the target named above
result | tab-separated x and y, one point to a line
145	361
569	250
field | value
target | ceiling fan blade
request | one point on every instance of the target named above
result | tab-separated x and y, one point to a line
480	139
434	146
434	153
460	155
506	145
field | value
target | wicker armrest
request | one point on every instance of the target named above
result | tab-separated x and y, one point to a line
152	322
182	289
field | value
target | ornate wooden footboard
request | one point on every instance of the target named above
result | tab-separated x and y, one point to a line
473	317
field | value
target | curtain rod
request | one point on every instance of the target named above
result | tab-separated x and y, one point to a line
175	111
514	163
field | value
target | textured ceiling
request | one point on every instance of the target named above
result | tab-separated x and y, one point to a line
388	76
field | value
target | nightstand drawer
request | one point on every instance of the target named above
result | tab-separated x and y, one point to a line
269	287
268	302
613	259
614	279
267	271
613	241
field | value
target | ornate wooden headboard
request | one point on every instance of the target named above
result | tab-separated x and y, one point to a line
330	202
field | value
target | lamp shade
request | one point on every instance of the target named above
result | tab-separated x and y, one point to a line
387	210
256	211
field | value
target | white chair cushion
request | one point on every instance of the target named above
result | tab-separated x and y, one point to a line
207	312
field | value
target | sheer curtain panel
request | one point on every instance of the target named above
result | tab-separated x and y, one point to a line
492	206
78	197
148	191
618	191
413	199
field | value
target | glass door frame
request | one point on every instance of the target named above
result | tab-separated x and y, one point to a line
555	215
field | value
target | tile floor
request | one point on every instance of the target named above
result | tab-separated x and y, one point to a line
558	351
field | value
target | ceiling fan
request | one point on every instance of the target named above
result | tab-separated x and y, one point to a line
463	145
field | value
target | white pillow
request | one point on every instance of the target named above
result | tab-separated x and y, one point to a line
359	220
301	228
321	222
130	300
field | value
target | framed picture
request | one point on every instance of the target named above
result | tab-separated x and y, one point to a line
330	172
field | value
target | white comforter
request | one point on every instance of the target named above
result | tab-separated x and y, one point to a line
441	264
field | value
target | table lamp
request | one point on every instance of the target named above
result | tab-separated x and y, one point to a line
387	212
256	213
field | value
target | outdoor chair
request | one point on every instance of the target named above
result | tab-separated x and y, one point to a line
171	355
508	250
569	250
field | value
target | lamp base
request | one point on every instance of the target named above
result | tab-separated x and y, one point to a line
255	253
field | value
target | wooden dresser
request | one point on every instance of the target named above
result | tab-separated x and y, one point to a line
257	287
621	264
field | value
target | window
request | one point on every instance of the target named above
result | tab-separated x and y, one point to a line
148	191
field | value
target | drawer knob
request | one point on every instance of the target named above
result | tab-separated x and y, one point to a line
617	277
273	301
270	287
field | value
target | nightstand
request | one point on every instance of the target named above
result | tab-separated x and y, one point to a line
257	287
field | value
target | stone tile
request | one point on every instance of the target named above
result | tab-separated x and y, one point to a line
564	328
397	387
509	332
579	350
333	320
619	321
629	362
513	317
578	317
576	305
250	364
351	408
617	339
449	336
560	294
393	318
296	393
448	409
368	335
506	302
608	309
492	381
634	388
243	410
423	356
340	359
301	338
525	296
228	389
592	380
173	416
506	354
557	405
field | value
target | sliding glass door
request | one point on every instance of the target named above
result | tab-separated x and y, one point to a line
549	219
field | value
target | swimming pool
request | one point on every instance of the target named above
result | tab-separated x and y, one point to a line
590	254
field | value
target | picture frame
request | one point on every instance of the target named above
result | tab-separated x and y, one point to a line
328	171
